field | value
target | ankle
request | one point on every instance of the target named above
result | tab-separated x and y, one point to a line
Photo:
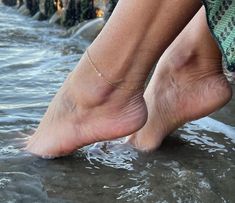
127	67
93	90
116	84
191	66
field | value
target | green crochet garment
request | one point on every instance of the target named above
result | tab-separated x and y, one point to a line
221	21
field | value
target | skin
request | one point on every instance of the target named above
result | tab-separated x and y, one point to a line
86	109
188	83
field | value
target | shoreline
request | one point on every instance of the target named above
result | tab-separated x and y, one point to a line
67	13
81	18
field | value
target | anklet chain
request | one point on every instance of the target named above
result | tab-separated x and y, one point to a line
105	79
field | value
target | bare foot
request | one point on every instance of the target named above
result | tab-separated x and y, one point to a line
175	97
187	84
85	110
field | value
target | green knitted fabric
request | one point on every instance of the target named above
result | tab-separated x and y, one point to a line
221	21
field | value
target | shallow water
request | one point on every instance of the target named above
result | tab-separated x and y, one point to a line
195	164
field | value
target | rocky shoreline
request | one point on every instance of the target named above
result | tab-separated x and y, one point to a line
67	13
83	19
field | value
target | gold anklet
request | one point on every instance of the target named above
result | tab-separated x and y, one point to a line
106	80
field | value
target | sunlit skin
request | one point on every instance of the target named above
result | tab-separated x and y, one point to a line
188	83
87	109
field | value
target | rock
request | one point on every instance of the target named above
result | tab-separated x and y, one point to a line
47	8
76	11
90	29
56	18
32	5
68	13
72	13
37	15
110	7
20	3
24	10
10	2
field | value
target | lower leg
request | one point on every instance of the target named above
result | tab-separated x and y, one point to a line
87	109
188	83
137	34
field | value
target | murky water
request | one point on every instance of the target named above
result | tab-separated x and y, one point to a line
195	164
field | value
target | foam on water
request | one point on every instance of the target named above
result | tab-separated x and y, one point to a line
213	125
